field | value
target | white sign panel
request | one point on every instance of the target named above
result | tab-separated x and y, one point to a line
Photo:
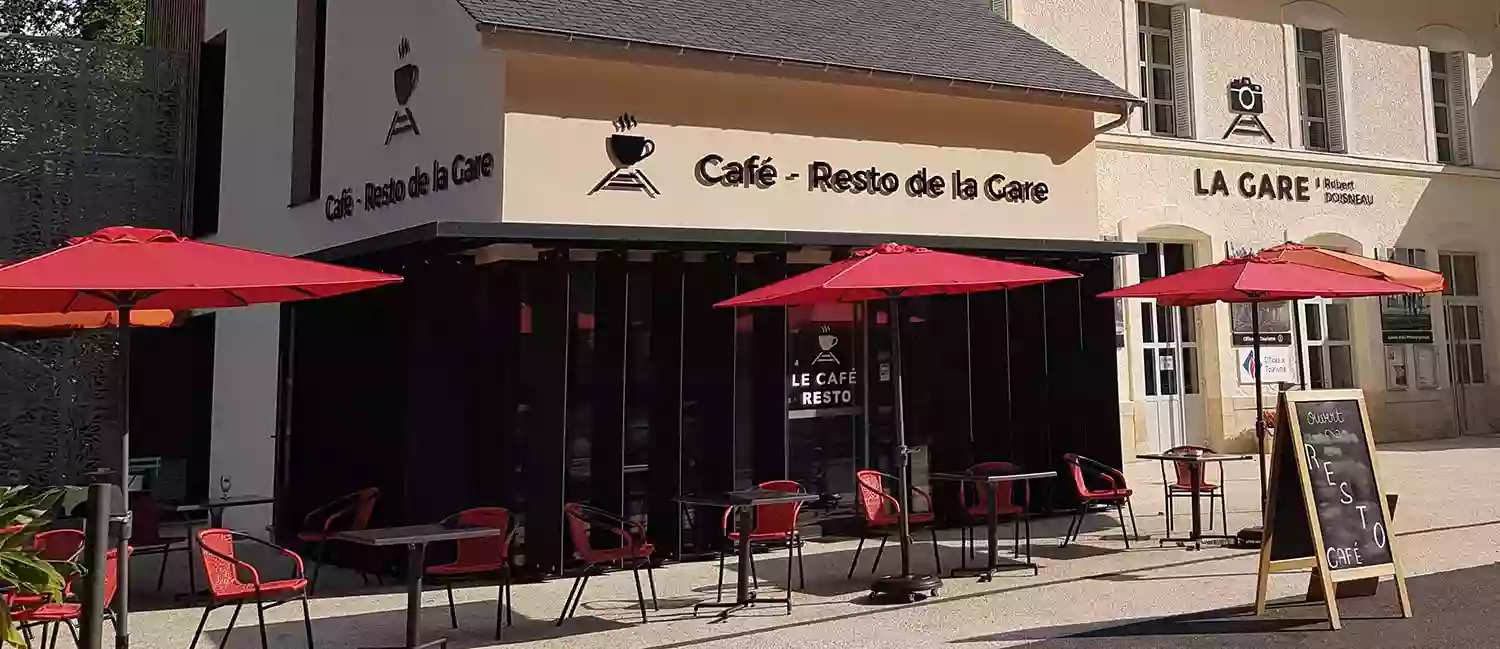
1276	365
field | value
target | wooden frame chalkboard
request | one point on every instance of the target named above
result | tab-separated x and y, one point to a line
1325	509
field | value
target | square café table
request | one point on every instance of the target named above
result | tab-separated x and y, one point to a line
992	480
416	538
1195	463
745	502
216	506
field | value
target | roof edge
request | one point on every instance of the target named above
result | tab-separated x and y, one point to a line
1017	93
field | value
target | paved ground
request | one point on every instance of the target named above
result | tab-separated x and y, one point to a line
1452	609
1094	593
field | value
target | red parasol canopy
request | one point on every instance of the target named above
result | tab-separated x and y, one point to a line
1256	279
126	269
1424	280
156	269
895	270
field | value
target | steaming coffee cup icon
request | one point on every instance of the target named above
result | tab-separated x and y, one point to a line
406	83
626	150
827	341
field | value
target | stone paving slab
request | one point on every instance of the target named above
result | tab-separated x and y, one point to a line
1448	519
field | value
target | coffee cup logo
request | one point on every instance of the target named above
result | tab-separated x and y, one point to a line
826	342
625	151
405	83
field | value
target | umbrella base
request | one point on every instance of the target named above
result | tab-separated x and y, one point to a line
1250	537
905	588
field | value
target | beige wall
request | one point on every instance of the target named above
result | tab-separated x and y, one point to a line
1150	194
1386	113
556	135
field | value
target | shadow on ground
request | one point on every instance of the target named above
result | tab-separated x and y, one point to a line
1452	609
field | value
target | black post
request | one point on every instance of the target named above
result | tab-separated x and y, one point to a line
122	577
95	544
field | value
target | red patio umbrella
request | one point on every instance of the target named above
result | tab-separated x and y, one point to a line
125	268
1418	278
1253	278
890	271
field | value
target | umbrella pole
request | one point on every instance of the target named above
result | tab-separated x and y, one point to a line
122	576
1260	420
906	585
1297	343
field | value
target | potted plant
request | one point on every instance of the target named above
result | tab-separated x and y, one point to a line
23	512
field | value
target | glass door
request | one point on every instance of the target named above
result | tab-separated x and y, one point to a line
1326	344
1465	321
1169	355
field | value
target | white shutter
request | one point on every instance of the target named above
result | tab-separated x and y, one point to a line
1001	8
1458	107
1182	73
1333	93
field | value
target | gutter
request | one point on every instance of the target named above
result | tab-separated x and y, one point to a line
570	37
1124	111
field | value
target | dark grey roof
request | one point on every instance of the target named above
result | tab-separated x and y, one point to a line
943	39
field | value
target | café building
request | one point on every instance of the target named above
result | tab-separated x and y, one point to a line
569	186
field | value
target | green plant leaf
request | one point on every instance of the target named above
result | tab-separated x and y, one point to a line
9	634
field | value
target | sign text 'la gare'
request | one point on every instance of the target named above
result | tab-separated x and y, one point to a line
1280	187
760	173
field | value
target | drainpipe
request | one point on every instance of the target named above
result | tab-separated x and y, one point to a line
1124	112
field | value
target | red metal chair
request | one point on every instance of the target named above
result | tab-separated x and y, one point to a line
479	557
62	545
634	548
145	532
775	525
1183	486
226	586
882	515
1114	492
350	512
978	510
57	614
58	545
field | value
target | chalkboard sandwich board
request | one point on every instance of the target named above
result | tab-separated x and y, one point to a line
1325	508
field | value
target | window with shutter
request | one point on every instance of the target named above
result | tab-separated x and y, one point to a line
1182	78
1318	91
1001	8
1333	95
1163	68
1455	81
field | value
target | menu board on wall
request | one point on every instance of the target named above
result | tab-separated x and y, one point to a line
1406	318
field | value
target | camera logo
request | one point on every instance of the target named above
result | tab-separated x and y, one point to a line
1247	101
405	84
625	151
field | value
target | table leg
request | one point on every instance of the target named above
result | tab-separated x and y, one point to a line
746	523
993	521
1195	478
216	517
415	564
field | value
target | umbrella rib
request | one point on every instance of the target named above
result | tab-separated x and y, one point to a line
230	292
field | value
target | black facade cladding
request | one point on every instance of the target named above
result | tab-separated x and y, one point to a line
99	131
474	374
